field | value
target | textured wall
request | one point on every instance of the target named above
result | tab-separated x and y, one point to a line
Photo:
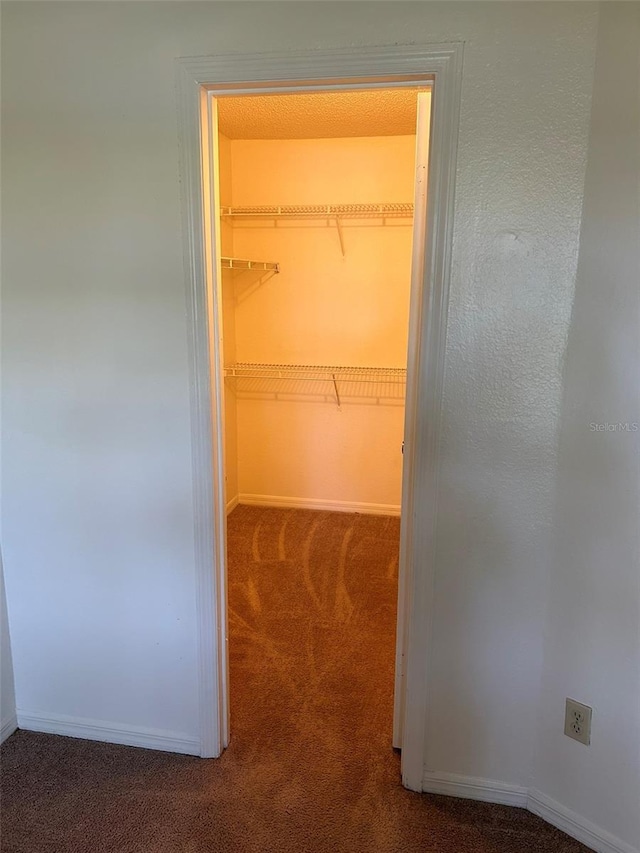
97	516
592	648
521	162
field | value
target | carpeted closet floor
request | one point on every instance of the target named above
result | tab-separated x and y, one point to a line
312	602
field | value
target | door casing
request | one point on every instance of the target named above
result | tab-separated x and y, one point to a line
199	80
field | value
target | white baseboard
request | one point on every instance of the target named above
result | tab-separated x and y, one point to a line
8	727
319	503
58	724
488	791
472	788
575	825
232	504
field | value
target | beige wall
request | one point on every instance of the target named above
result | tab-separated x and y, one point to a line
323	308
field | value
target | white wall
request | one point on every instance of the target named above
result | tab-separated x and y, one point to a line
521	163
323	308
7	691
97	514
592	648
97	526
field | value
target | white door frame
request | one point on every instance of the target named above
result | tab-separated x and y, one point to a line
418	247
440	66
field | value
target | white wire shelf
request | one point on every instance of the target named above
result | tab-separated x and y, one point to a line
326	373
334	214
381	383
242	264
322	211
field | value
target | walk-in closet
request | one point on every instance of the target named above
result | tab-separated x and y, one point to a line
314	200
316	204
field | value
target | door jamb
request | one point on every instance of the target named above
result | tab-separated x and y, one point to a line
441	66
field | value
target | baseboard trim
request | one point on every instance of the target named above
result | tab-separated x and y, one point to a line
232	504
575	825
319	503
472	788
488	791
8	727
58	724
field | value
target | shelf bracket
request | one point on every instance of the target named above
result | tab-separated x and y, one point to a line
335	388
340	234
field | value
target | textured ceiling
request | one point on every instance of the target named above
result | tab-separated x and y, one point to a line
368	112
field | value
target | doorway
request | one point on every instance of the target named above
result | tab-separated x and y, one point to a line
314	196
314	207
200	80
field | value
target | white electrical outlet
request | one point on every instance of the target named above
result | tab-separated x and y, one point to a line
577	721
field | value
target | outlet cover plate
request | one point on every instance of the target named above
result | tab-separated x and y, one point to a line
577	721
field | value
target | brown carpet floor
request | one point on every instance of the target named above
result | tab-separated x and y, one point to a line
310	765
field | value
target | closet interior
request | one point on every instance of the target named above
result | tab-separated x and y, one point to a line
316	195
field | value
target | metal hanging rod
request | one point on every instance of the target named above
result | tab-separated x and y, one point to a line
324	373
299	211
242	264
